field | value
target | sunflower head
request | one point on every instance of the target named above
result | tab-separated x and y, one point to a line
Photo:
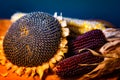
35	40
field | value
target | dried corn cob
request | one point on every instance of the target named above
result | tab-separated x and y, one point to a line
93	39
79	26
70	67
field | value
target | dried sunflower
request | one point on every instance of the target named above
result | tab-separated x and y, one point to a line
33	44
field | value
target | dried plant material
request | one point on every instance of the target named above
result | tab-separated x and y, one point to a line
106	23
4	74
79	26
93	39
111	62
50	26
110	47
63	48
17	16
111	33
70	67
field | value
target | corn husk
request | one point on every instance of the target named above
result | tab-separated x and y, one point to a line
111	53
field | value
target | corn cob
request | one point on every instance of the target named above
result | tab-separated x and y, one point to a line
79	26
93	39
70	67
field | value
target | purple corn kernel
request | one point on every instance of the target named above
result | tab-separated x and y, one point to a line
70	67
93	40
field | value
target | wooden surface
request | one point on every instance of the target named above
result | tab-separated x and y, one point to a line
4	25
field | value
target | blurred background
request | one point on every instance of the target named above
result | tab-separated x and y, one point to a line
108	10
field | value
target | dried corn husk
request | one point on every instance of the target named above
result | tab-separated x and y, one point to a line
112	33
111	53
